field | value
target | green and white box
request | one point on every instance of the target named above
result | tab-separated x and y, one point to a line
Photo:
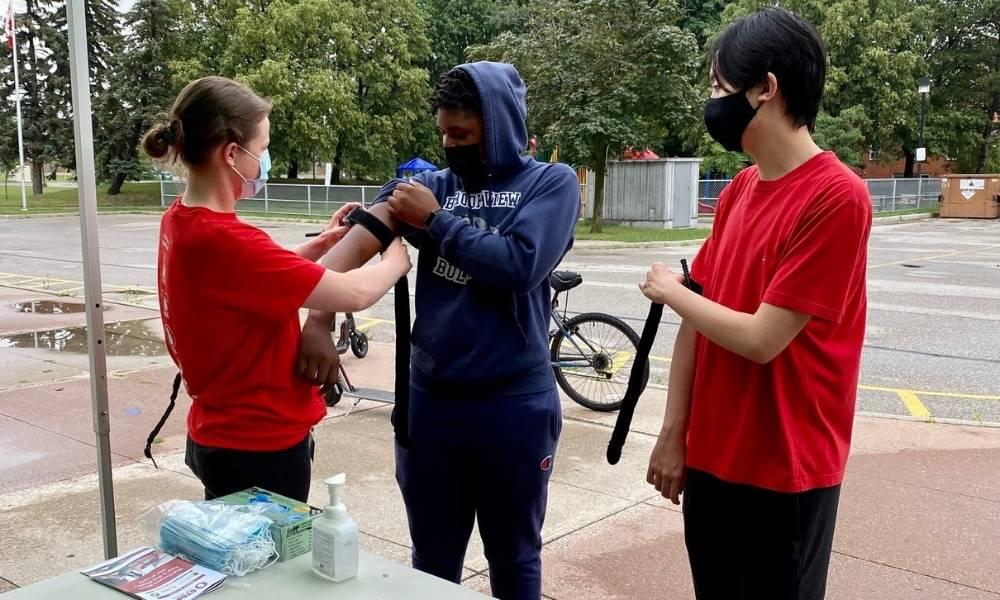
293	520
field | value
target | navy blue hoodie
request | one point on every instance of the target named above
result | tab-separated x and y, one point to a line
482	293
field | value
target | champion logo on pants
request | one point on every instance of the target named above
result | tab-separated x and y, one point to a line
546	463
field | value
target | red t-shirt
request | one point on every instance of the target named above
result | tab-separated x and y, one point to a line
229	297
801	243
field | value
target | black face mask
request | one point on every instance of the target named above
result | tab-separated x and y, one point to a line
727	118
465	162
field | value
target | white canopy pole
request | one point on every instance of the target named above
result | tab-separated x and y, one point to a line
17	99
83	135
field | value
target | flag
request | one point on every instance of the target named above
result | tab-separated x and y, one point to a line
9	30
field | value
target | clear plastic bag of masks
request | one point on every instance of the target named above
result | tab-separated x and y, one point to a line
235	540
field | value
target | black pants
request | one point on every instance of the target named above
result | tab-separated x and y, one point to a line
222	471
748	542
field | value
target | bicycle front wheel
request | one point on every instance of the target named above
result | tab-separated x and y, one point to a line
594	362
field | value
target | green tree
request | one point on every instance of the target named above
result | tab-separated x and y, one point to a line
844	134
104	44
603	75
391	88
346	79
453	26
46	126
142	90
964	59
718	161
287	54
701	17
876	54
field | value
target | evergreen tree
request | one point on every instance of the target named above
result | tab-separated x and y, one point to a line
142	89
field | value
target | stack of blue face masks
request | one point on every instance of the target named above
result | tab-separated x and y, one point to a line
226	538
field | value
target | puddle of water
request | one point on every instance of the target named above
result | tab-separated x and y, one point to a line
49	307
129	338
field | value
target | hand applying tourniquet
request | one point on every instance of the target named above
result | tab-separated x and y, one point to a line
412	202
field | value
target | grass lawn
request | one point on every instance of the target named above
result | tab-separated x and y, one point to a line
613	233
57	200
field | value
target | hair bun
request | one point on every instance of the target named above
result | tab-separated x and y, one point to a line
169	132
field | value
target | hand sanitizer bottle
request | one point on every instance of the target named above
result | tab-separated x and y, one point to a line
335	537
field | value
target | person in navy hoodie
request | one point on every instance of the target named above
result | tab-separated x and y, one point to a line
484	411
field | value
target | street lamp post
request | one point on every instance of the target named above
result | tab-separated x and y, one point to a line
924	88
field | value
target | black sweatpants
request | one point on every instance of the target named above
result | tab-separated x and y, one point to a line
222	471
748	543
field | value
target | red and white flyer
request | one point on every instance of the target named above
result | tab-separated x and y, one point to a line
149	574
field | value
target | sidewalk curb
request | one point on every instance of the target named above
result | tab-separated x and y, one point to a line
932	420
578	244
903	218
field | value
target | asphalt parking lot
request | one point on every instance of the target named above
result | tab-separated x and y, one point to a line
932	349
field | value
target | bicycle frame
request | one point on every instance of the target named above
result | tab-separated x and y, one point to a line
560	321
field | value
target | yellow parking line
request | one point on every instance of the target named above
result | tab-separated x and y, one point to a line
368	325
964	396
914	405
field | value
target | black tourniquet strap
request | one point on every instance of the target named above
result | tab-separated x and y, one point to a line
636	379
156	430
401	412
380	230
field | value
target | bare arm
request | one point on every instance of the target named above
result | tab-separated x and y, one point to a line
312	250
679	384
318	359
667	471
334	231
356	248
359	288
758	336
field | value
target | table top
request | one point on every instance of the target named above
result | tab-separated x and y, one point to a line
378	579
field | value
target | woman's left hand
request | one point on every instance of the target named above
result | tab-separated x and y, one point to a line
336	229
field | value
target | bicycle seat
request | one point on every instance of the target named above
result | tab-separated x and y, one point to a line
563	281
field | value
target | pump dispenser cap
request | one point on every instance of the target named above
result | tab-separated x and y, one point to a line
336	509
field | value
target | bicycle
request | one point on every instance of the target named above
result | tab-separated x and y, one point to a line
594	349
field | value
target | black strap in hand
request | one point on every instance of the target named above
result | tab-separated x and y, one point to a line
376	227
401	412
635	383
156	430
635	380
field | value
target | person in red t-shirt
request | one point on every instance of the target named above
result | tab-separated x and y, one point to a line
230	297
765	367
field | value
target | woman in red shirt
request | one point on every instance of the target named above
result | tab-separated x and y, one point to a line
230	297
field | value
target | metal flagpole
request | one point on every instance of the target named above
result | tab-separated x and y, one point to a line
83	135
17	100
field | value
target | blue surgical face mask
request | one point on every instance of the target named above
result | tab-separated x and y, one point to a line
252	187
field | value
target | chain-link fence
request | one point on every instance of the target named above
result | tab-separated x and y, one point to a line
708	194
888	195
290	199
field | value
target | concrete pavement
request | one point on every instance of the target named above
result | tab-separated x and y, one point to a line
934	286
920	514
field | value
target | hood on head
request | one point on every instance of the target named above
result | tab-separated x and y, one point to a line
505	132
